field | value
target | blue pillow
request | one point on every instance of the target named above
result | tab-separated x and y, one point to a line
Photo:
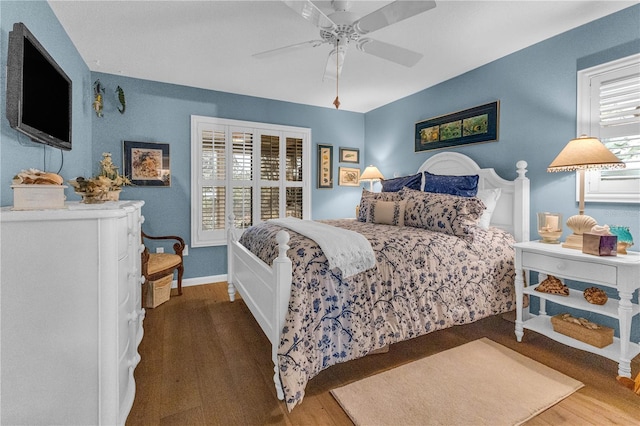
463	186
396	184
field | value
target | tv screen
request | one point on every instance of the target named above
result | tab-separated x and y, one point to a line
38	91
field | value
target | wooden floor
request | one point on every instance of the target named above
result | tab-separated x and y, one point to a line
206	361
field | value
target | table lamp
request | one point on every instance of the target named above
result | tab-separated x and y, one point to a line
371	174
580	154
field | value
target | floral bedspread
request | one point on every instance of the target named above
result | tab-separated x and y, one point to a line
423	281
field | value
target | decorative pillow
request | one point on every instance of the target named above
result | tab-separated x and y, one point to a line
363	212
386	212
396	184
449	214
489	198
464	186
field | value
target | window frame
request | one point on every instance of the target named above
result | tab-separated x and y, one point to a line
218	237
596	188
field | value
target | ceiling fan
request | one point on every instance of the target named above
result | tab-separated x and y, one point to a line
342	28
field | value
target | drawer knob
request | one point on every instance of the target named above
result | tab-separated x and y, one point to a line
561	266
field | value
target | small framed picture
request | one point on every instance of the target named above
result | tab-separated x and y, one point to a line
325	166
348	176
349	155
147	164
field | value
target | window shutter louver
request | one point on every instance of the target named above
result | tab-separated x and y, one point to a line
294	159
252	171
242	178
212	178
609	109
294	202
620	115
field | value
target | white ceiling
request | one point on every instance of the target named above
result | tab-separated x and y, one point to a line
209	44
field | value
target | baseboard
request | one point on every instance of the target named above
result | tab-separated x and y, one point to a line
200	280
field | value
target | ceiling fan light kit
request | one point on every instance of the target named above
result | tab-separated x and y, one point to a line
342	27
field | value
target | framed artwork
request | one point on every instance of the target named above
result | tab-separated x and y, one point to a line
325	166
147	164
349	155
348	176
473	125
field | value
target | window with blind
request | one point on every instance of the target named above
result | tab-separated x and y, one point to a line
609	109
253	171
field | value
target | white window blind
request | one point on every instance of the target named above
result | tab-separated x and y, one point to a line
255	171
609	109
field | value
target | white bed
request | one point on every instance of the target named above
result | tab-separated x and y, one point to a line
266	289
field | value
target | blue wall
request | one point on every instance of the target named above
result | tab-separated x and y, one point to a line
157	112
160	112
17	152
537	91
536	88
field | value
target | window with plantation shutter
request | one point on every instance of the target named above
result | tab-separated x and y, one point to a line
609	109
253	171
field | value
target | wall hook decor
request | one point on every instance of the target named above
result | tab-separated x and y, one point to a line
98	98
121	99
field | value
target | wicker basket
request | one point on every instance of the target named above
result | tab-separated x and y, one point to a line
156	292
599	338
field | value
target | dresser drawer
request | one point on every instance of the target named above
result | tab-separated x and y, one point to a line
123	237
577	270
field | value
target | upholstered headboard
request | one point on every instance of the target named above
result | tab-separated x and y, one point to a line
512	209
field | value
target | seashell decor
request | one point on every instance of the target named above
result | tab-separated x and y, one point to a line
581	223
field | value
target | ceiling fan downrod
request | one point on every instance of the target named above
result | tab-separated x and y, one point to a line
336	101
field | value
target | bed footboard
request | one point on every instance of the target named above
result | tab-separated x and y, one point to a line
265	289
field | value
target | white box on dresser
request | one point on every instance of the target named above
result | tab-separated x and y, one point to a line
71	313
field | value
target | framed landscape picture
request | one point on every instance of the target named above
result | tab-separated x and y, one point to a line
473	125
147	164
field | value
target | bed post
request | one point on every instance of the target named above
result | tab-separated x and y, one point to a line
231	239
282	269
521	203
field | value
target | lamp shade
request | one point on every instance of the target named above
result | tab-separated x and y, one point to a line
371	173
582	153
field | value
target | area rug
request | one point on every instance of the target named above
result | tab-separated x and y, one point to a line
478	383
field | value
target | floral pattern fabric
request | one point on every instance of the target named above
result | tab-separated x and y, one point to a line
451	214
423	281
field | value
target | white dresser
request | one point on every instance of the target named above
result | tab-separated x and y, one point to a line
71	315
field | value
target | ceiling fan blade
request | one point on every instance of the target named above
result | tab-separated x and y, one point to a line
287	49
311	13
334	63
390	14
390	52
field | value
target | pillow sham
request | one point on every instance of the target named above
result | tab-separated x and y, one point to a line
363	211
396	184
464	186
489	198
386	212
449	214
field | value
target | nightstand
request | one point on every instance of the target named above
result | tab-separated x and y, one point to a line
620	272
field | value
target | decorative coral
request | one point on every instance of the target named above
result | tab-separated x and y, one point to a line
98	188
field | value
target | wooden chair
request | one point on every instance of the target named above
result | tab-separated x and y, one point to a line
159	265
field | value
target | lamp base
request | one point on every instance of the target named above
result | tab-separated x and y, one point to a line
579	224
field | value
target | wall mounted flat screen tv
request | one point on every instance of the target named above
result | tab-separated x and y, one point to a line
38	91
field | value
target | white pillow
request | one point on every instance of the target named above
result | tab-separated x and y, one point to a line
387	212
489	197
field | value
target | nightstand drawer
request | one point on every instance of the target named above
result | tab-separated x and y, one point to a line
577	270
